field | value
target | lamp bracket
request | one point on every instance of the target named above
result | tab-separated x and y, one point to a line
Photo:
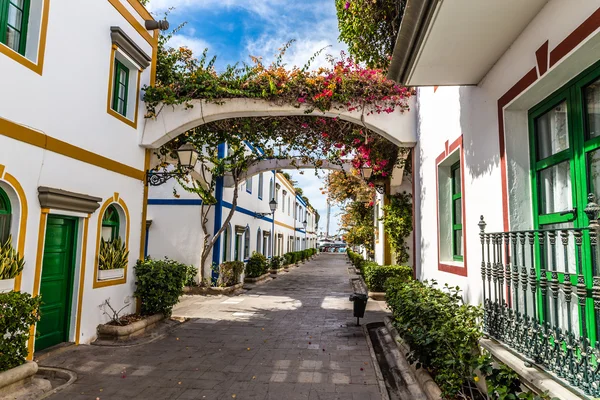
154	178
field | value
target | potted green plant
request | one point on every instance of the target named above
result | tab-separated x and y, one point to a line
112	259
11	265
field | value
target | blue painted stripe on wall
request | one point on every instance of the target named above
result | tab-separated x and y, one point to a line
243	210
218	216
174	202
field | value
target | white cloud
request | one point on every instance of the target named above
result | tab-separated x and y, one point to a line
195	44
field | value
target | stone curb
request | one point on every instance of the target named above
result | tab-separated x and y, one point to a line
258	278
203	291
71	377
379	296
16	377
124	332
431	389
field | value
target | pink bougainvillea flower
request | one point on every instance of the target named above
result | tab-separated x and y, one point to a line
356	141
384	173
339	145
324	135
304	126
347	6
301	100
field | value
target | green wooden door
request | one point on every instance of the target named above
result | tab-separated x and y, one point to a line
56	286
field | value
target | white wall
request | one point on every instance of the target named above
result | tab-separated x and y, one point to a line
448	112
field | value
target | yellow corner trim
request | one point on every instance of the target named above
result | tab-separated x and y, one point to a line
41	140
12	181
109	109
154	58
285	225
84	245
140	9
39	67
113	282
132	20
1	170
286	182
38	272
144	208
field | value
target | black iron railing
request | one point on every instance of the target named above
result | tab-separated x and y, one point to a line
541	291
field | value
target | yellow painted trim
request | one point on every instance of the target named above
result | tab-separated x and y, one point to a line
109	109
286	183
39	139
12	181
39	67
113	200
1	170
38	273
154	58
132	20
144	207
84	245
387	249
285	225
140	9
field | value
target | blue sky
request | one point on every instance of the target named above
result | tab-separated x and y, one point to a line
234	29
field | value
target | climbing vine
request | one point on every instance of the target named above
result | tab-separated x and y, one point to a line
397	222
369	28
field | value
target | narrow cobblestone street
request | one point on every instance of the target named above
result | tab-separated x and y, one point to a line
291	338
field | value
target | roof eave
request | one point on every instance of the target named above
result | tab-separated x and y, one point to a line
417	17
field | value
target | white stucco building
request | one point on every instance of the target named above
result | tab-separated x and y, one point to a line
174	223
508	110
71	168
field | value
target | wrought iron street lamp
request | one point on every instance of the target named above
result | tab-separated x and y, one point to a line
187	157
272	207
304	224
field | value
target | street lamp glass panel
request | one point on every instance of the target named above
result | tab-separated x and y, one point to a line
188	155
304	224
273	205
367	172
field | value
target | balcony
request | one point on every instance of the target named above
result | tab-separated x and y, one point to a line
541	292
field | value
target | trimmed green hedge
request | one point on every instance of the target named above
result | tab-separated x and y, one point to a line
276	262
230	273
256	265
442	332
356	259
376	275
159	284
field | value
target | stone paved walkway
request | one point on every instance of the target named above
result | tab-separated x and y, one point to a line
291	338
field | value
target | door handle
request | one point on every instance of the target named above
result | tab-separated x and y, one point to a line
571	211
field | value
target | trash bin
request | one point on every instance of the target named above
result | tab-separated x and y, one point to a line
360	304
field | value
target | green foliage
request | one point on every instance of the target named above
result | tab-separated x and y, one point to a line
113	254
443	333
369	28
287	258
18	311
376	275
356	259
357	224
256	265
11	263
502	382
230	273
276	262
190	275
159	284
397	222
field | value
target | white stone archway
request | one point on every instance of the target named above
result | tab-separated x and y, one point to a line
398	127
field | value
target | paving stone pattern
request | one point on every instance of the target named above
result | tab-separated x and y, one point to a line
291	338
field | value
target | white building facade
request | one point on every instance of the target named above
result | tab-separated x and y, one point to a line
71	168
508	110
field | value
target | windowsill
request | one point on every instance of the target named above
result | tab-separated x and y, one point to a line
453	267
122	118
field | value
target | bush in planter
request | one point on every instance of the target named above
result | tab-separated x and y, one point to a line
276	262
159	284
18	311
230	273
287	258
442	332
376	275
112	255
356	259
11	263
256	266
